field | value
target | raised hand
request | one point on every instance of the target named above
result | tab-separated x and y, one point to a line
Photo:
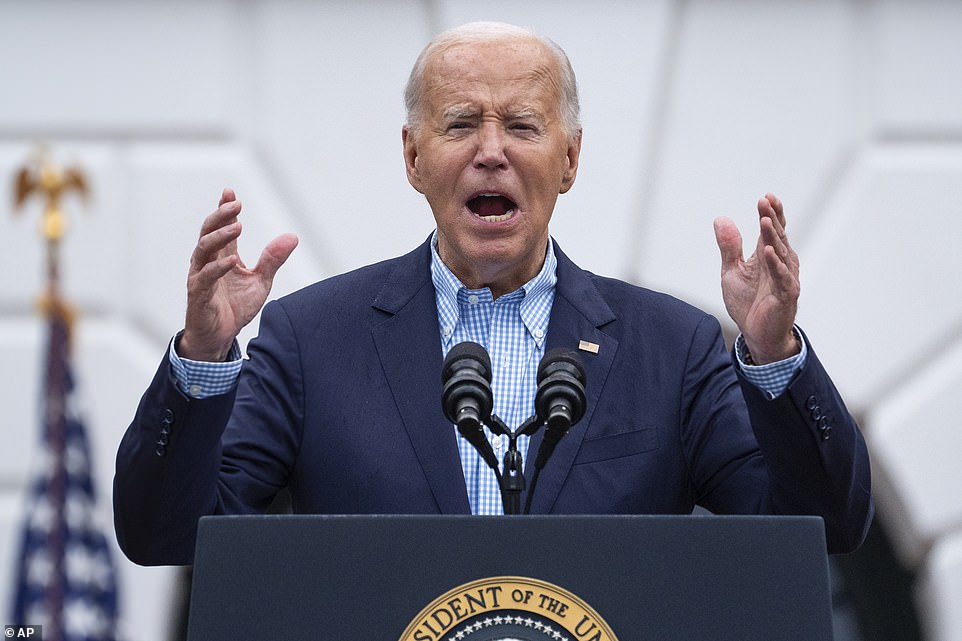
761	293
223	294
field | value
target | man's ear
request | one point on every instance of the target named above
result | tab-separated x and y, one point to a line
573	154
409	140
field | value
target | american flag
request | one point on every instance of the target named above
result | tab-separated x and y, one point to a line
66	580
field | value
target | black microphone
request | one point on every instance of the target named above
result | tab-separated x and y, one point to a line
466	396
560	400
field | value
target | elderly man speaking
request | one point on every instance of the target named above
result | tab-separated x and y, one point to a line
339	400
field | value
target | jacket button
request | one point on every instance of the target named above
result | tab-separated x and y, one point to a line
160	450
168	417
816	413
164	438
812	402
826	432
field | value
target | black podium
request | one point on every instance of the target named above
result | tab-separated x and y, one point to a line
464	578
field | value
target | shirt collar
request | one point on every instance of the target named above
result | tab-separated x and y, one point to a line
535	306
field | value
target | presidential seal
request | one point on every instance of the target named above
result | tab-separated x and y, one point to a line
508	608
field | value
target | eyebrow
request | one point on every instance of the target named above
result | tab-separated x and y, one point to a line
457	112
525	113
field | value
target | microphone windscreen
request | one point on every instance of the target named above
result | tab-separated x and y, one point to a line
470	351
561	355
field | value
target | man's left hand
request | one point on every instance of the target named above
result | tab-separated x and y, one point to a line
761	293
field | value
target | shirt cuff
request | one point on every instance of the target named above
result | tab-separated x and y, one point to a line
773	378
200	379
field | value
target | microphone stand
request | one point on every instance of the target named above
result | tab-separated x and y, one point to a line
511	481
467	402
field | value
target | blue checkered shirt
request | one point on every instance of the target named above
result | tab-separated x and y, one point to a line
200	379
513	330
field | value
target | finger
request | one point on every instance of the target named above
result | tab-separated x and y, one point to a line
225	214
774	235
774	205
202	281
275	254
729	241
210	245
227	196
770	236
783	276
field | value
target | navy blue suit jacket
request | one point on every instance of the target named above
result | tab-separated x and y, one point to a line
340	403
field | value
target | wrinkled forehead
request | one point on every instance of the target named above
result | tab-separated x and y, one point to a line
520	63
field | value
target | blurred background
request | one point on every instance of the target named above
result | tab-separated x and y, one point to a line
850	111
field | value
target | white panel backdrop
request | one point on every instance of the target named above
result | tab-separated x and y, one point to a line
850	110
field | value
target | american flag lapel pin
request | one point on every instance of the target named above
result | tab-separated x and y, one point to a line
588	346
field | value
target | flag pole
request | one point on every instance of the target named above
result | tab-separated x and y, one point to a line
66	582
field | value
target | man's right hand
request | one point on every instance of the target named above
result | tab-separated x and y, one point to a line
224	295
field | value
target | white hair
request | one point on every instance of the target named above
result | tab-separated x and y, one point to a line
475	32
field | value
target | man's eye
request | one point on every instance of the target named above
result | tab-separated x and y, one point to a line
523	127
459	125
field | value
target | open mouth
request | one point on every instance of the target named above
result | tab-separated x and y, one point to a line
492	208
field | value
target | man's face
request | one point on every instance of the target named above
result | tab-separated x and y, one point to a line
491	156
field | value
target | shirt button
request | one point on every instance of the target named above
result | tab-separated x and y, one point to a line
539	333
473	299
195	390
446	331
505	361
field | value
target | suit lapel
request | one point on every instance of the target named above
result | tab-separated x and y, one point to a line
578	314
408	345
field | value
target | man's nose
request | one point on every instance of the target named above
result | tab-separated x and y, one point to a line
491	141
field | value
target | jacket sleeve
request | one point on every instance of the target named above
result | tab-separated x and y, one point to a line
815	454
166	471
183	458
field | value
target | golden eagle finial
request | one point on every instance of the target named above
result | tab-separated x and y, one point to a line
47	178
